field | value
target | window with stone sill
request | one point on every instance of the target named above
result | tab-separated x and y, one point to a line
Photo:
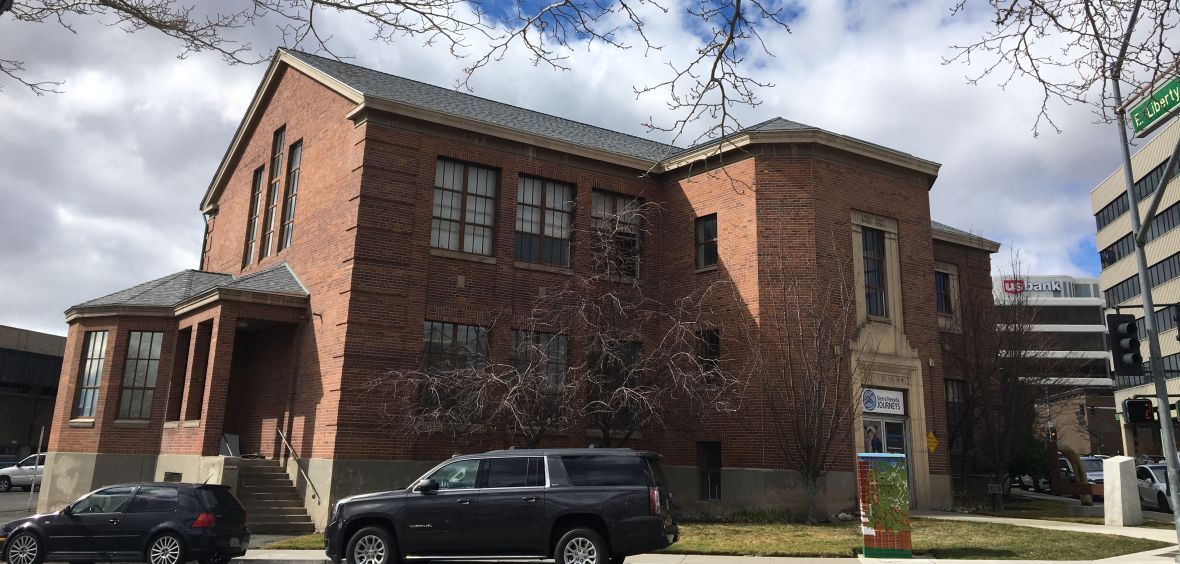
464	210
139	374
544	221
873	249
617	222
90	376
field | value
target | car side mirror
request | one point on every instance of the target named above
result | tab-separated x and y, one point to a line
68	510
426	486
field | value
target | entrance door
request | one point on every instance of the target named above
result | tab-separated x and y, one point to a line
890	435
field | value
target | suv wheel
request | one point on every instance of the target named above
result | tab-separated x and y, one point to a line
581	546
371	545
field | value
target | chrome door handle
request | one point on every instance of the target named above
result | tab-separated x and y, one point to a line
113	521
464	501
529	499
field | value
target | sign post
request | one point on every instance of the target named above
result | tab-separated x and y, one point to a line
883	482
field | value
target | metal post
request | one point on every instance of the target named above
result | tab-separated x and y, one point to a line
1153	342
33	484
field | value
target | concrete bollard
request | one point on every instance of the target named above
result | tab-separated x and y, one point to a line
1121	492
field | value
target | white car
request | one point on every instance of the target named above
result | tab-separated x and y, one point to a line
1153	488
25	475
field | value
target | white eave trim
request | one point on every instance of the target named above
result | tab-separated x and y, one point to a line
966	240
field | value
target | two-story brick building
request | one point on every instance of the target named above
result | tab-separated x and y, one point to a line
360	220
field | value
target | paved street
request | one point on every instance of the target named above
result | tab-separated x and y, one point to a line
13	504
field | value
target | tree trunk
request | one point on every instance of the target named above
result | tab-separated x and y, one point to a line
812	491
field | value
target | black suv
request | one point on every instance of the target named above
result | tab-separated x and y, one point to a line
158	523
578	506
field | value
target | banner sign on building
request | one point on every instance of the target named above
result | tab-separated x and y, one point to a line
883	481
1018	286
882	402
1151	113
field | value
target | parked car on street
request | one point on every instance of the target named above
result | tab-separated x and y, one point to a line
25	474
578	506
1153	486
158	523
1092	466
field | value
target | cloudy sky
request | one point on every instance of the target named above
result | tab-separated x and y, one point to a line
99	185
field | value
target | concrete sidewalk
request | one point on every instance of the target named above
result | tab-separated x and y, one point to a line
1162	535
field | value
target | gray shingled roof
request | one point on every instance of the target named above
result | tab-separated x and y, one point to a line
419	94
175	289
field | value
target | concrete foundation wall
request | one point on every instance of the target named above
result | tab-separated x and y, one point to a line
70	475
754	489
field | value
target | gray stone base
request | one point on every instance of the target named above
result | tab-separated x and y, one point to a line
1085	511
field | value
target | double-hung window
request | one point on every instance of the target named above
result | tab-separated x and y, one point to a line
709	353
252	220
873	241
90	376
544	217
617	223
544	353
706	241
139	375
452	345
464	210
942	293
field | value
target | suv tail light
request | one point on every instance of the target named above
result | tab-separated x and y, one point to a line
654	495
204	521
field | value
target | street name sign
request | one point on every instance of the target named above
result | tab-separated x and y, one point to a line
1151	113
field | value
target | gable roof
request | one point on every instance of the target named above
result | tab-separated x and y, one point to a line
177	289
373	89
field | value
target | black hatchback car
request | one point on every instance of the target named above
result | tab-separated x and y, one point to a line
158	523
578	506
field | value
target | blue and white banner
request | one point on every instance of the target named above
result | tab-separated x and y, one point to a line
882	402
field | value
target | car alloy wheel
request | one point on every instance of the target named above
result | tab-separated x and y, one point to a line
369	549
5	484
580	550
164	550
24	549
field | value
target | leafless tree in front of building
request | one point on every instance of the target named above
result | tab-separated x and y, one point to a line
1067	48
811	335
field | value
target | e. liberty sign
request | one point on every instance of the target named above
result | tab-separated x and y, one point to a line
1150	113
888	402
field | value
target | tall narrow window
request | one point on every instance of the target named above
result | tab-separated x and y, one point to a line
272	192
464	207
709	355
616	220
293	160
90	377
252	221
955	400
544	353
874	260
707	241
942	292
544	212
451	345
139	375
709	465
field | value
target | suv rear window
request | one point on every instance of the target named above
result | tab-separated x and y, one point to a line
592	470
214	498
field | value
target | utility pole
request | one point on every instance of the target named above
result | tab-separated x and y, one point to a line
1153	343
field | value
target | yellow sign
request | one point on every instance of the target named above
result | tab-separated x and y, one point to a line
931	442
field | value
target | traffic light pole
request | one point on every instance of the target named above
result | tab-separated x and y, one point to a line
1153	341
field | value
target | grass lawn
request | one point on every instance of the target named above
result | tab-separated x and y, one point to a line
940	539
1028	508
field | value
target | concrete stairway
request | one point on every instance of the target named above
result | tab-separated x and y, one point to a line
273	505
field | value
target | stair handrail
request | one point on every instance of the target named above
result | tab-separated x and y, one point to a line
315	493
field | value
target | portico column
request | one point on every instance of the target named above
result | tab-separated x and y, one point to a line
221	354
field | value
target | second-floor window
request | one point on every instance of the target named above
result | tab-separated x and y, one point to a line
544	217
707	241
709	349
453	345
270	217
617	220
541	353
252	220
873	241
293	162
139	375
942	292
464	209
90	376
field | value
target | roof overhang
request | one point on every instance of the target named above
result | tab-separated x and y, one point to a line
190	305
801	136
966	240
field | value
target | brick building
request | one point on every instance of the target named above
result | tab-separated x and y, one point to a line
358	215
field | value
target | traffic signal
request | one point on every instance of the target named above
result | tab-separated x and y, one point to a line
1124	344
1138	411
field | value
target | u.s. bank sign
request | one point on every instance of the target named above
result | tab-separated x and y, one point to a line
882	402
1019	286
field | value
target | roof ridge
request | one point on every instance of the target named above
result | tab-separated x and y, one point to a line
673	148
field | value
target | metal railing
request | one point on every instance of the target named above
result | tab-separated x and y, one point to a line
315	493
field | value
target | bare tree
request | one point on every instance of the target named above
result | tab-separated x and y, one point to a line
811	333
705	86
642	359
1067	47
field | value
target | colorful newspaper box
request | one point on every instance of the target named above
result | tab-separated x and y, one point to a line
884	505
